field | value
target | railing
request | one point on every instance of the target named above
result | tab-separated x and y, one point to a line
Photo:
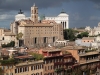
29	62
89	53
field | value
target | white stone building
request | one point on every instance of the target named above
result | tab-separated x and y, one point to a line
93	31
62	18
97	29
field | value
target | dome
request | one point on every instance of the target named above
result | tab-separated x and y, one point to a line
19	16
62	14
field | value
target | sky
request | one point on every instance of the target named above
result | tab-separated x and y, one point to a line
81	13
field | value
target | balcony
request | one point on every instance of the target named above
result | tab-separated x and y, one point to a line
89	61
59	63
68	61
64	63
89	53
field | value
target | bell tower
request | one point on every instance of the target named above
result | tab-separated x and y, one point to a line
34	14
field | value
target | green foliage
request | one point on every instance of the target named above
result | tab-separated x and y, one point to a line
11	44
37	56
19	36
83	34
90	50
69	34
59	70
7	62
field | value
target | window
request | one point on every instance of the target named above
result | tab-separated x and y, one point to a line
35	40
15	70
41	73
53	39
20	69
37	66
41	66
44	39
3	38
25	68
31	67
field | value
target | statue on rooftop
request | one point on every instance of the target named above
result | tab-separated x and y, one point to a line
20	12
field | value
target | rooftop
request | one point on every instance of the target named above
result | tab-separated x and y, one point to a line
88	38
73	48
23	57
51	49
9	34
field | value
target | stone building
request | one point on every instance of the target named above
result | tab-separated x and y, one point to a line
40	34
85	58
21	64
6	36
56	62
93	31
37	34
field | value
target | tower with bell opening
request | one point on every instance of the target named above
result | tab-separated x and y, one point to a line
34	14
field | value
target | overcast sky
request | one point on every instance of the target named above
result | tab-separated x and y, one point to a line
81	12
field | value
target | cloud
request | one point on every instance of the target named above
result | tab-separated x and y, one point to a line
75	16
26	4
6	16
97	3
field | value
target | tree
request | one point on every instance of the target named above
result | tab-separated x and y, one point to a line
19	36
83	34
11	44
69	34
37	56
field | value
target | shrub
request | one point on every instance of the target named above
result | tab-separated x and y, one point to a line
11	44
